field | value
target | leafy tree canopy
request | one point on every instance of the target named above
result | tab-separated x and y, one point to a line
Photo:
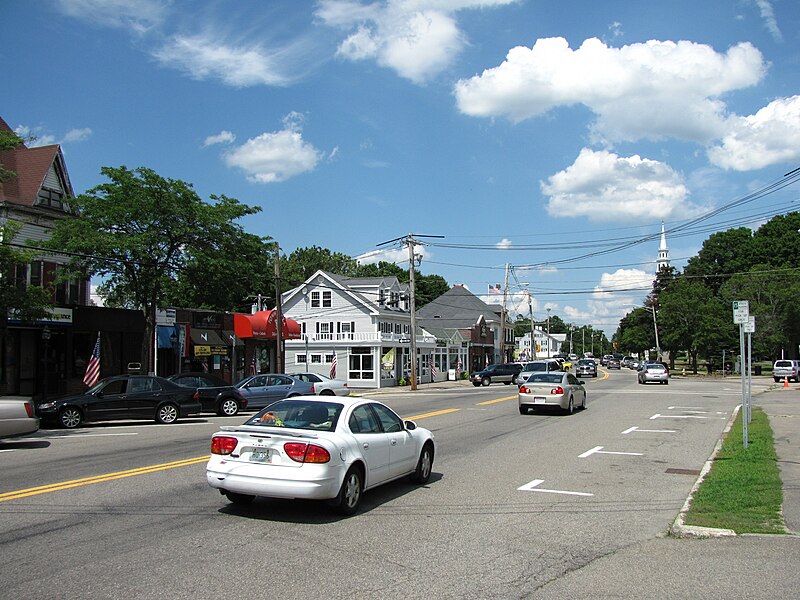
27	302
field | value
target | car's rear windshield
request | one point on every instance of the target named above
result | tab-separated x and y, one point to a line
783	363
299	414
655	367
545	378
540	366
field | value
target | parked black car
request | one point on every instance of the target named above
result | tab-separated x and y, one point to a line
214	393
122	397
505	373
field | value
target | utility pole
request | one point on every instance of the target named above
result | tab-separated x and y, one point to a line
411	242
533	327
548	333
504	358
278	312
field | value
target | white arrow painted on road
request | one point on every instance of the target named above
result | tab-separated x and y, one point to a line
599	450
660	416
533	487
632	429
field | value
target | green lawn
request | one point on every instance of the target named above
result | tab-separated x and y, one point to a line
743	490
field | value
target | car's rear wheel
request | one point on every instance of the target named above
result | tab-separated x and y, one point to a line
239	499
486	381
70	417
424	465
167	413
523	410
228	408
349	497
570	406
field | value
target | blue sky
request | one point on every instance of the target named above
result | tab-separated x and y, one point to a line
505	126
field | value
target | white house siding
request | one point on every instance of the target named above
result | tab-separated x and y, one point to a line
361	352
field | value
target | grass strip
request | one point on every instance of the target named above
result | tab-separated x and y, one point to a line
742	491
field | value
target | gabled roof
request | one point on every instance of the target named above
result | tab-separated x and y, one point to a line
456	308
31	166
346	284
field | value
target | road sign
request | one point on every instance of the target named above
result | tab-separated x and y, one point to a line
741	311
750	325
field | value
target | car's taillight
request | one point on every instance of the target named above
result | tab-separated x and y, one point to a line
524	390
557	390
29	409
222	444
312	389
196	396
306	453
344	385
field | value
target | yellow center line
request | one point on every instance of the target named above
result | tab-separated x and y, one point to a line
433	414
65	485
498	400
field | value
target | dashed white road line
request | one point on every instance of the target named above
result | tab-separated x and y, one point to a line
632	429
599	450
533	487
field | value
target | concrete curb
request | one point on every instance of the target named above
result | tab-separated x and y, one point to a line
679	529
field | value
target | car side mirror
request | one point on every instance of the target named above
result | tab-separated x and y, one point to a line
581	382
410	425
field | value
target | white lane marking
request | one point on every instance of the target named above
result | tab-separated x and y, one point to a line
533	487
9	450
685	408
599	450
660	416
632	429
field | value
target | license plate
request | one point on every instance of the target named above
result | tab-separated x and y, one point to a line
539	400
259	455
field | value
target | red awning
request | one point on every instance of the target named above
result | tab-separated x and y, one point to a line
263	325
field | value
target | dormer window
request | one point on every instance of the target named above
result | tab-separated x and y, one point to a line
381	296
314	299
50	198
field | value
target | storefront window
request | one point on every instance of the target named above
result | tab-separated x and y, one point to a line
361	366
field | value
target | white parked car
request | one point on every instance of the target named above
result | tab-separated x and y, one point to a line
323	385
17	417
318	449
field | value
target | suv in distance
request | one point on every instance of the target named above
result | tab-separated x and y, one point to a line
506	373
786	369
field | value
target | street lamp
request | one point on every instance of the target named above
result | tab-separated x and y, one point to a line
655	326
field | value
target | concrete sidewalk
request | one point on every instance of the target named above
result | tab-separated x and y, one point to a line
782	406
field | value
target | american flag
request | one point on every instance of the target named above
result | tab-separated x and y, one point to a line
494	289
333	367
460	365
433	369
93	368
253	370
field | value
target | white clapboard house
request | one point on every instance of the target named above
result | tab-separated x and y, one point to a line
357	328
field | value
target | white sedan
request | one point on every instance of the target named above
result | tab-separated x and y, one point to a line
548	390
17	417
318	449
324	386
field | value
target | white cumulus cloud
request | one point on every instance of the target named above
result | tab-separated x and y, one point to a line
275	156
223	137
634	281
770	136
652	90
416	39
397	256
603	186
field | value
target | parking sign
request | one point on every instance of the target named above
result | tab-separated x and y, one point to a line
741	311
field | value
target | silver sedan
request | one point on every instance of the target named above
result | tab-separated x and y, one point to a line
654	372
549	390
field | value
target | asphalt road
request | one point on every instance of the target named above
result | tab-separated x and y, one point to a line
536	506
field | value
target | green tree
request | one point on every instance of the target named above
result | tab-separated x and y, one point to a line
28	303
8	141
723	254
302	263
139	231
773	301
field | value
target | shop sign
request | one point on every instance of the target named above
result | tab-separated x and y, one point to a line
165	317
209	350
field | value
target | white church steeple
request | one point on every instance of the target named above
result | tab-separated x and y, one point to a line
663	252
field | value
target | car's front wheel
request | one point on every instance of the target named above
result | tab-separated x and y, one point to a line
167	413
424	465
349	497
228	408
70	417
570	406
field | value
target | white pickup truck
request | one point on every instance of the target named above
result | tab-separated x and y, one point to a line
17	417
